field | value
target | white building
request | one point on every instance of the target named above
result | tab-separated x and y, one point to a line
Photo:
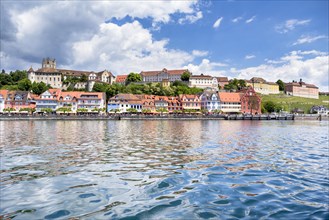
210	101
159	76
230	102
62	78
203	82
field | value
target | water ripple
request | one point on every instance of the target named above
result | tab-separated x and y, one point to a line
164	170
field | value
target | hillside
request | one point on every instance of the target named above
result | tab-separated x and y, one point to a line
291	102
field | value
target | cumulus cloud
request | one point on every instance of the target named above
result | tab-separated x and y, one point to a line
59	29
126	48
311	66
207	67
290	25
308	39
250	19
217	22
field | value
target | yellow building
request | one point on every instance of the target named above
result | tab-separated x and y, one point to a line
262	86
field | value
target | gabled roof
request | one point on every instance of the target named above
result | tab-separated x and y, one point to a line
3	93
13	94
188	96
121	78
101	72
30	70
229	97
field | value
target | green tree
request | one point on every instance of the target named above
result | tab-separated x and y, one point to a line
39	88
47	110
132	110
100	87
270	106
84	78
185	76
63	109
5	79
134	77
24	85
281	84
235	84
18	75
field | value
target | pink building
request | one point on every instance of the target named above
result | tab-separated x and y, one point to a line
302	89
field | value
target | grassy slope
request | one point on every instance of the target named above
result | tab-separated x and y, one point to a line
290	102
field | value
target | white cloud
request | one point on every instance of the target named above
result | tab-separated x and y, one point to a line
199	53
207	67
217	22
249	56
126	48
191	18
311	66
237	19
308	39
250	19
58	29
290	25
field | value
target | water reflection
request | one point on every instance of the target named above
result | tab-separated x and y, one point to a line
163	169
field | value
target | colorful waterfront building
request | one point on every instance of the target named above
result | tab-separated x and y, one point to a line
230	102
148	102
210	101
174	104
48	99
122	102
17	100
3	95
190	102
250	101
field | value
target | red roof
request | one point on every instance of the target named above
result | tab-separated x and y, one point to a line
229	97
121	78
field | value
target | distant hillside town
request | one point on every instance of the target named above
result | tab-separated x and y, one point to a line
49	89
64	78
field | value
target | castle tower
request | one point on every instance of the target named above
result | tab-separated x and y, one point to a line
49	63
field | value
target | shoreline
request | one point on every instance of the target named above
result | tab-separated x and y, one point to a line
169	117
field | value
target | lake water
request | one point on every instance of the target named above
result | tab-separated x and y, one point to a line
164	169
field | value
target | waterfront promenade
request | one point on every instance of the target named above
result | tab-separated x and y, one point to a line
167	117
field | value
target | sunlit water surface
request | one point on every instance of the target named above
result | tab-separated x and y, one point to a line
164	170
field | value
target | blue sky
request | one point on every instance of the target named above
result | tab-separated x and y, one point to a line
285	40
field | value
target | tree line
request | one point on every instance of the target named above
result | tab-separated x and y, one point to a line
18	80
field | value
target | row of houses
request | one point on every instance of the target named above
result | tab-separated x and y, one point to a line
244	101
53	99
